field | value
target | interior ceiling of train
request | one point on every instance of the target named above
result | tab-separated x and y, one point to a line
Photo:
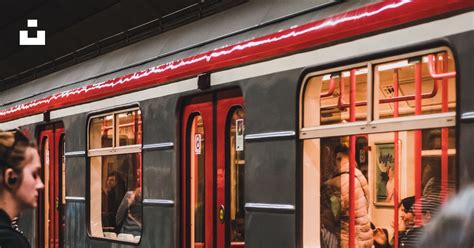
79	30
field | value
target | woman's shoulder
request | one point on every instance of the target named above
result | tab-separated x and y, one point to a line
11	238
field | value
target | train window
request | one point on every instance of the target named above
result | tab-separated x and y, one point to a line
101	132
237	176
397	82
330	94
129	128
115	190
381	183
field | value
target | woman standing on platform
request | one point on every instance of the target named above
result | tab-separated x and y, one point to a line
19	184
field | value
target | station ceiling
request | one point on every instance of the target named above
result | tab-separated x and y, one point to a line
79	30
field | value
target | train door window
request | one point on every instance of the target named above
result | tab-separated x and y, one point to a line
45	156
197	154
400	170
237	177
115	167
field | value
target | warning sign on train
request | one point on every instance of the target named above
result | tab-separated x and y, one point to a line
239	135
197	143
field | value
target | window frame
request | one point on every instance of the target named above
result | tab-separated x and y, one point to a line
372	125
111	151
312	135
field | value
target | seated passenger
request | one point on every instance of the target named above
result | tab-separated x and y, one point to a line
129	213
111	197
409	232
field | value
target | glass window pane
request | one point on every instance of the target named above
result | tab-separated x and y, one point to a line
130	127
237	175
116	197
329	94
46	191
437	95
374	192
197	181
101	132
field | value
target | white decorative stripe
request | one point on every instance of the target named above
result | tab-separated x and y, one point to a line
160	202
75	198
22	121
266	206
269	135
76	153
159	146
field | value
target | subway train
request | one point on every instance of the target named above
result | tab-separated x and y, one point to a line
240	145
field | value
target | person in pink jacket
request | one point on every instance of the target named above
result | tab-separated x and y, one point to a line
363	232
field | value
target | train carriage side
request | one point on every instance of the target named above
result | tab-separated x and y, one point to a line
241	163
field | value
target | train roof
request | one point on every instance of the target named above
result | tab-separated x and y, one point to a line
362	21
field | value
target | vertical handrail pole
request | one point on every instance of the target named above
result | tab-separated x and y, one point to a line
444	133
418	88
396	165
352	144
340	102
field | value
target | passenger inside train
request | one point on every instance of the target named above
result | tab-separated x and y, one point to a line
401	175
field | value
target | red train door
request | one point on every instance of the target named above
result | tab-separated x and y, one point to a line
207	124
51	141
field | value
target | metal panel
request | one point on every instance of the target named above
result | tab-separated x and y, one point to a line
75	132
159	227
270	230
75	176
270	172
75	232
270	102
159	174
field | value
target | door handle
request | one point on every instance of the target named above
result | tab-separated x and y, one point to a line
56	203
221	214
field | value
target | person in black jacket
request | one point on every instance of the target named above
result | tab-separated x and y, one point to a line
19	184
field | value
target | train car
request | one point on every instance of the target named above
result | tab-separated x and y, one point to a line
297	138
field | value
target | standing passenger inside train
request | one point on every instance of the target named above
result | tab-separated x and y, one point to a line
364	234
20	182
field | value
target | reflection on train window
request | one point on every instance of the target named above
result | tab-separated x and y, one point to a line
115	190
197	181
397	83
380	182
237	175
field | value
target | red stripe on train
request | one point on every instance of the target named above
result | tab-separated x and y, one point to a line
357	22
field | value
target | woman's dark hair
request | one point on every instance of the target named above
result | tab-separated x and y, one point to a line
13	145
408	203
341	148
